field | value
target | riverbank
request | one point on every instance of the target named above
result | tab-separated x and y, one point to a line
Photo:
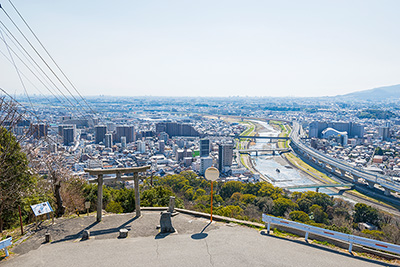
287	160
245	159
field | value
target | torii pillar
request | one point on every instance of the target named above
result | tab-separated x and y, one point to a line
118	172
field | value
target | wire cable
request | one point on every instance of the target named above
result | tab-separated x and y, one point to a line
58	89
40	56
16	69
44	48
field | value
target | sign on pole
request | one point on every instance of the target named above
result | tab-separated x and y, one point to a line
211	174
41	208
87	207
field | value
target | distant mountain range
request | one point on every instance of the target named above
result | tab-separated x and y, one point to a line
379	93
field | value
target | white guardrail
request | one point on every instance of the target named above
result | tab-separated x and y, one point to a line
351	239
4	244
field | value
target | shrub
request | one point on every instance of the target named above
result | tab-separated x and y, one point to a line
299	216
282	205
114	207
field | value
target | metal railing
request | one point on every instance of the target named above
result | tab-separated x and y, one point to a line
351	239
4	244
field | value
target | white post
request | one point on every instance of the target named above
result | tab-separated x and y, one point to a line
306	237
5	249
351	246
268	227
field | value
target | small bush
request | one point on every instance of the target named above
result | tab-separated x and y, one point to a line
114	207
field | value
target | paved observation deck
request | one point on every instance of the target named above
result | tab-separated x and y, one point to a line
196	243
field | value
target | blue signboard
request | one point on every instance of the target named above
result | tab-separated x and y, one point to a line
41	208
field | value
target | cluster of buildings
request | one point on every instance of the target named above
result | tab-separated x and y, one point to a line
169	143
373	146
170	133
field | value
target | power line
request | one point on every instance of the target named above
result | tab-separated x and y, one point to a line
30	80
48	89
58	89
16	69
27	110
44	61
73	86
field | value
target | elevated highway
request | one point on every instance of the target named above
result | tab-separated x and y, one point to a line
341	167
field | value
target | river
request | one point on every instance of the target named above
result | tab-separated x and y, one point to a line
276	168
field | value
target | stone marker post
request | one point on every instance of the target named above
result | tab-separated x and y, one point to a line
99	196
137	196
171	204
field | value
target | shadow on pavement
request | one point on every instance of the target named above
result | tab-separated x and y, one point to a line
96	232
329	250
201	235
162	235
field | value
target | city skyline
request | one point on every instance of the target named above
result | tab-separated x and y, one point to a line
215	49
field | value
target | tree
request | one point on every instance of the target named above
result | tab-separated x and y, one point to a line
268	190
320	199
319	215
378	151
283	205
304	204
299	216
16	180
265	204
365	213
229	188
247	199
229	211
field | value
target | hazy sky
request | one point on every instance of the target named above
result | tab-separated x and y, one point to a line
216	48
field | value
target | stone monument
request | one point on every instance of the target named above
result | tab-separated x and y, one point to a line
165	222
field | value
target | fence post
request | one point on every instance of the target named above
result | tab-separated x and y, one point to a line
306	237
350	246
5	249
268	227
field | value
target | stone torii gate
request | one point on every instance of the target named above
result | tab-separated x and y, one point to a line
118	172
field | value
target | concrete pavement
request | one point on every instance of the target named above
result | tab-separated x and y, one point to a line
196	243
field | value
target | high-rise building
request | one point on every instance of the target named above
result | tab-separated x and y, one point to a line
161	145
123	141
108	140
163	136
68	135
100	133
176	129
205	163
204	147
225	156
384	132
111	126
127	131
141	146
39	130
